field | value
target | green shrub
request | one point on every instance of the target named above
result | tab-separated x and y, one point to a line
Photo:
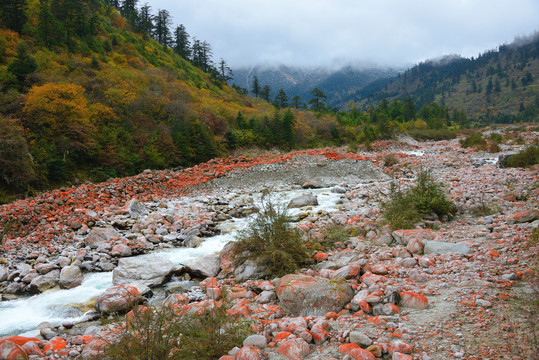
333	235
390	160
156	334
474	140
495	138
405	208
271	242
525	158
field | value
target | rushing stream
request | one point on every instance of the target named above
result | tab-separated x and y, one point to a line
23	315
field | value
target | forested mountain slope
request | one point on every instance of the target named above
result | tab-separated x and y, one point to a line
499	85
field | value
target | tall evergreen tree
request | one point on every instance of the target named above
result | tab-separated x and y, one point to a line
162	30
288	130
128	9
145	20
225	72
13	14
22	64
281	100
318	100
256	86
182	45
297	102
265	93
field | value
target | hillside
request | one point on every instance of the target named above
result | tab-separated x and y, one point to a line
98	97
499	85
337	84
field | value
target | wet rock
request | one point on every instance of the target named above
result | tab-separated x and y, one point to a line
118	299
203	267
45	282
307	295
45	268
47	333
303	200
150	271
97	236
440	247
311	185
70	277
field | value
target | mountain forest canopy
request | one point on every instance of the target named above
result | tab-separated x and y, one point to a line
93	89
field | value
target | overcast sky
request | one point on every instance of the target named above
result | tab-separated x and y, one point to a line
323	32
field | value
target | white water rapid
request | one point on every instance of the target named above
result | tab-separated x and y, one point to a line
23	315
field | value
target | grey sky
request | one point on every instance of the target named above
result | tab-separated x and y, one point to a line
322	32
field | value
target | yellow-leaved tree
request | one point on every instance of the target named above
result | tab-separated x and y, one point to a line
59	119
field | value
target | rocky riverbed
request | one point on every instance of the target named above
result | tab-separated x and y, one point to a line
445	290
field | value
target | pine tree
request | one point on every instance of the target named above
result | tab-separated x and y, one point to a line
288	130
256	87
297	102
265	93
145	20
225	72
281	100
22	65
182	45
162	30
318	101
13	14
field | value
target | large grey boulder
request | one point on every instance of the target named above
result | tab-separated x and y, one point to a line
136	209
149	270
70	277
250	270
3	273
97	236
45	282
303	200
204	266
440	247
312	296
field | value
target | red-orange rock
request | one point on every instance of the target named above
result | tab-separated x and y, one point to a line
55	344
414	300
11	351
295	349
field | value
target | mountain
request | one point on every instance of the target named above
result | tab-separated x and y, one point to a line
337	84
500	84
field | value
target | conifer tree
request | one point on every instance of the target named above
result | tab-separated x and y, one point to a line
22	65
256	86
265	93
13	14
182	45
281	100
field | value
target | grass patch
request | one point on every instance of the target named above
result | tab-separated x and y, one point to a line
156	334
405	208
271	242
390	160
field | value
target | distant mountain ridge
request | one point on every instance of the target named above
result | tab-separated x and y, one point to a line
500	84
337	84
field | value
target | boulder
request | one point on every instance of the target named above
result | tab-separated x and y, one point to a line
150	270
523	217
204	266
120	250
3	274
249	270
258	341
10	350
118	299
45	282
70	277
303	200
440	247
100	235
312	296
403	237
136	209
295	349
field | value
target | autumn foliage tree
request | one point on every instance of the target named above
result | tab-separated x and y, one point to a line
59	119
